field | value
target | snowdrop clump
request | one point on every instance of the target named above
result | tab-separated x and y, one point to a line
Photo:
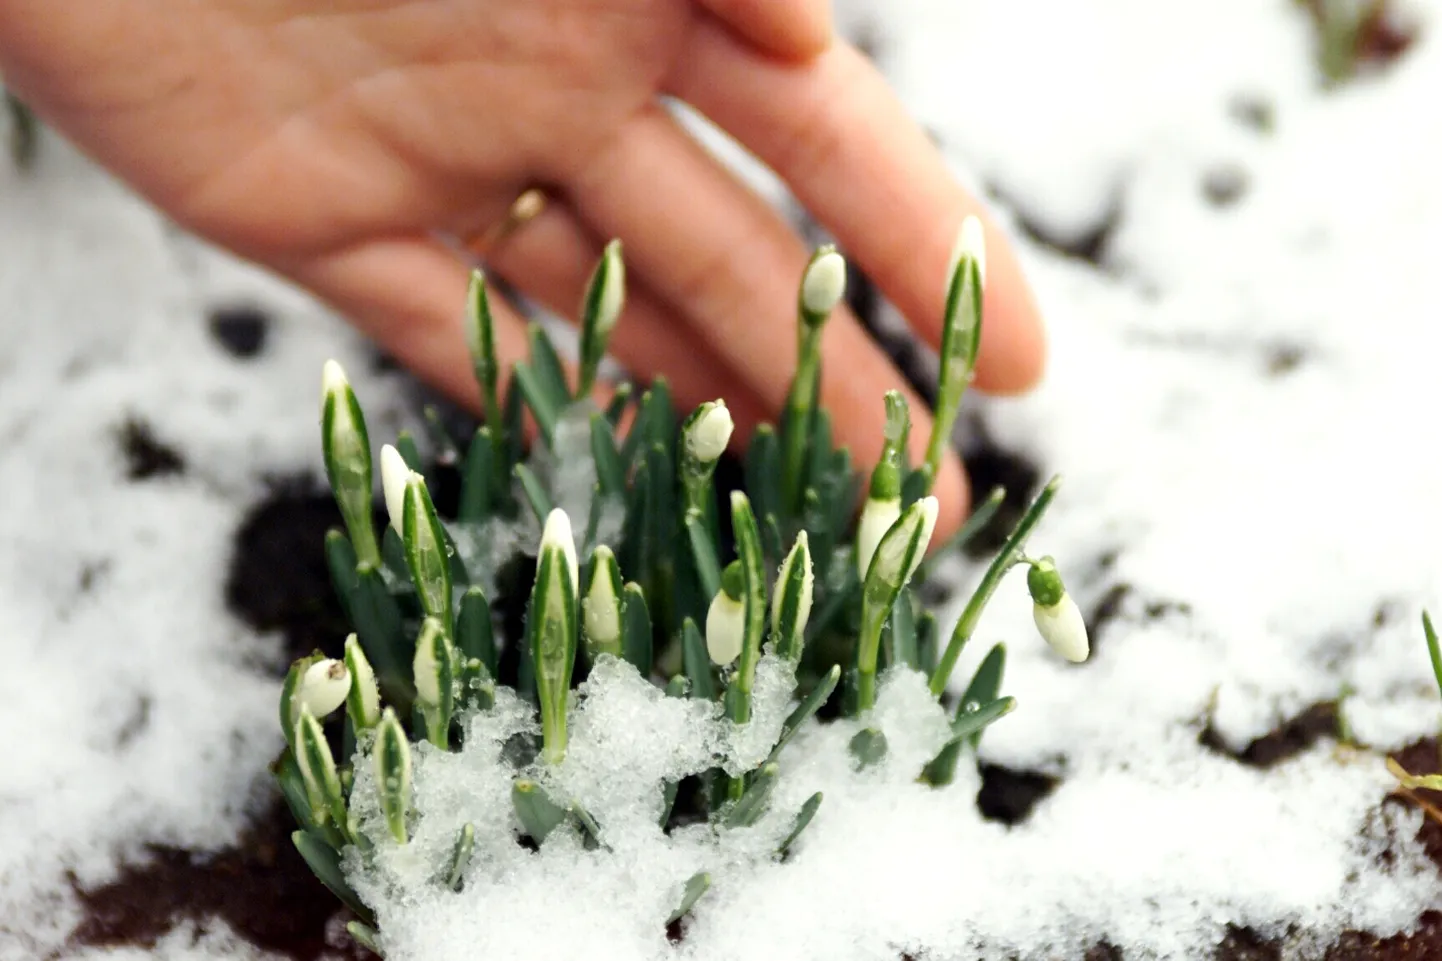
664	772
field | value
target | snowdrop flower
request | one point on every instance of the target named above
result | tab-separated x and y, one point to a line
726	618
823	285
395	475
711	432
323	687
877	516
1057	617
557	533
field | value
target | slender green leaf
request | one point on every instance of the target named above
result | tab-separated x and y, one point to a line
803	818
324	862
703	555
377	621
610	473
340	560
690	893
636	629
617	405
547	364
461	856
474	632
478	476
536	497
698	663
808	707
748	810
543	407
902	634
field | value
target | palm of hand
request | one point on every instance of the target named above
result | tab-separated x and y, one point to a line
334	144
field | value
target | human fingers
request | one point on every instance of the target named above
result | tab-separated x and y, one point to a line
834	131
730	266
408	295
792	29
551	260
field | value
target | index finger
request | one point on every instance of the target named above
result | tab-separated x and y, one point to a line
834	131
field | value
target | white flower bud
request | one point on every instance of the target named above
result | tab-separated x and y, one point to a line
601	608
557	533
902	549
929	508
430	664
322	687
970	242
1063	627
877	516
824	284
708	437
395	475
613	288
725	629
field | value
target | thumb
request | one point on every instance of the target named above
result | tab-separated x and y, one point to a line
790	29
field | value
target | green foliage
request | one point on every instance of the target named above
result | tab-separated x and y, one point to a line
437	598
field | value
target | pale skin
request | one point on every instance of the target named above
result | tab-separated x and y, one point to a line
336	141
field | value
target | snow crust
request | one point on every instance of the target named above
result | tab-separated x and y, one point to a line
1240	399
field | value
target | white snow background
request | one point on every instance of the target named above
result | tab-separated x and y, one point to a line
1270	513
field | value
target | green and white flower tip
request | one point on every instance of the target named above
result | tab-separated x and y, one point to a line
333	381
900	552
477	311
877	517
557	533
726	618
970	243
395	475
1057	617
601	608
799	556
611	275
364	696
323	687
430	662
823	285
711	432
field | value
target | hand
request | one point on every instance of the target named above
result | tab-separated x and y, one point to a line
334	141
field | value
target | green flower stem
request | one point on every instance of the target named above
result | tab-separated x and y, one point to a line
748	549
1011	554
800	409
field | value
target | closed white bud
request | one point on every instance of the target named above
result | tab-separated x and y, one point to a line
970	242
395	475
902	549
824	284
877	516
1062	626
709	435
427	665
364	696
601	608
929	508
322	687
725	629
613	288
557	533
